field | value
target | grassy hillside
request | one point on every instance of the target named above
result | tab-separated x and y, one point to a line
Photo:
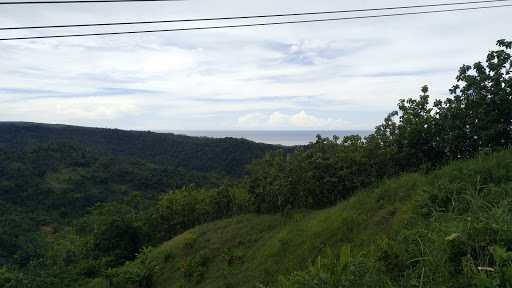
226	156
436	230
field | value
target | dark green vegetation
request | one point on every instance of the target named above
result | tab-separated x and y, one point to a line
224	156
450	228
401	219
52	175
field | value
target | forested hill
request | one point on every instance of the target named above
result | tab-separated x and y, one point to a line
226	156
52	175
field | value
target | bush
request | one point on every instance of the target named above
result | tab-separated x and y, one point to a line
138	273
185	208
315	177
338	271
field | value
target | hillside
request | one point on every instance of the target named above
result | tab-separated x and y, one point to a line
226	156
437	230
51	175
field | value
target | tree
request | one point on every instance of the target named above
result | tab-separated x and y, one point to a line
479	116
417	133
267	182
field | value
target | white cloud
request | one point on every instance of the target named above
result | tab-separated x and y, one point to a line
300	120
252	120
353	67
278	119
76	109
304	120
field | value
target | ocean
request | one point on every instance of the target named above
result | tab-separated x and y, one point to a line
286	138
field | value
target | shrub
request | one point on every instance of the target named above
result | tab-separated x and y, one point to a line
338	271
139	273
183	209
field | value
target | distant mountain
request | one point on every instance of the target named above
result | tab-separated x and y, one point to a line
226	156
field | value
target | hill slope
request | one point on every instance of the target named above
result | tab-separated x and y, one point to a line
227	156
436	230
51	175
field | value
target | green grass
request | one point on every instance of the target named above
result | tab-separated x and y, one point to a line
268	246
415	226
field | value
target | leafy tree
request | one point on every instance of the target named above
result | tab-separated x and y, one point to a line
185	208
479	114
314	177
268	184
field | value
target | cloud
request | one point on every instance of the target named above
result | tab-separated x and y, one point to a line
7	91
257	99
252	120
316	51
300	120
78	109
23	95
405	73
277	119
253	78
115	91
304	120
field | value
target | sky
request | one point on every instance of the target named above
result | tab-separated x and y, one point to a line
317	76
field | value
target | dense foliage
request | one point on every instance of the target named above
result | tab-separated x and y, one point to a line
64	192
47	186
225	156
313	177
